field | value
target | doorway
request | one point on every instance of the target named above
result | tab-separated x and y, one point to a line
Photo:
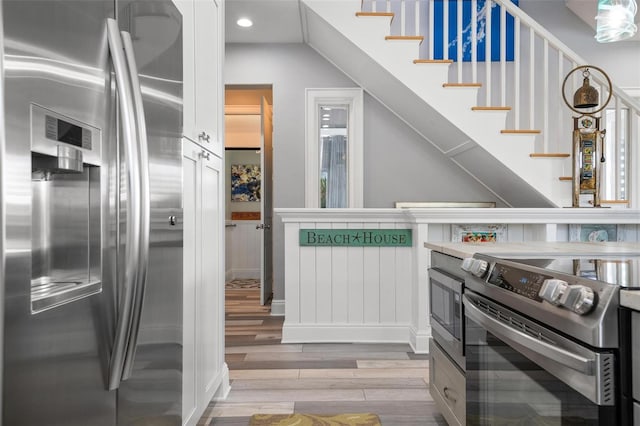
248	154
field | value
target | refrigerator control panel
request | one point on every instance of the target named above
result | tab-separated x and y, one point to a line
62	131
51	130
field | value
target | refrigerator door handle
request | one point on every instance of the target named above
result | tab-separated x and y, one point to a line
133	225
144	211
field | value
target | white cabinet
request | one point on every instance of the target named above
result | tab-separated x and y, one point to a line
203	55
204	371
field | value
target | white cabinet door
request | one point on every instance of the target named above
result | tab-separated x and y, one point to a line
203	294
208	59
191	277
211	290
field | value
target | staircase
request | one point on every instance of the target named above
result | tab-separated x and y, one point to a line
503	122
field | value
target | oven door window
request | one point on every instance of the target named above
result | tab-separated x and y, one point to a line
506	388
446	308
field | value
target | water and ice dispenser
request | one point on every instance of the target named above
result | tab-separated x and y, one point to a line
66	209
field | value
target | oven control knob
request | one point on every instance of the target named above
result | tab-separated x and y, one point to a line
577	298
580	299
553	291
475	267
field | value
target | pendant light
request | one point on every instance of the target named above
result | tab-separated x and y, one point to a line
615	20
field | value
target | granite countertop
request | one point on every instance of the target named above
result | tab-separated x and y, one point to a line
536	248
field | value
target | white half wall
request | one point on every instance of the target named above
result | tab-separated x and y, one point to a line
381	294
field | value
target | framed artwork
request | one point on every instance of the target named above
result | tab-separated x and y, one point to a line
245	182
483	9
478	233
594	233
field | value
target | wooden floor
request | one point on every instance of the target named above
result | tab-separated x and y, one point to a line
269	377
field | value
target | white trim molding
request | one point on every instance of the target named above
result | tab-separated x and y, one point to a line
353	98
277	308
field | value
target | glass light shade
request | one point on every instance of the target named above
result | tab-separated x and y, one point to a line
615	20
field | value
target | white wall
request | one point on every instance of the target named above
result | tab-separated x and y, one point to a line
399	165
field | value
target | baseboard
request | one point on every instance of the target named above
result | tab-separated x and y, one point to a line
277	308
419	340
345	333
224	388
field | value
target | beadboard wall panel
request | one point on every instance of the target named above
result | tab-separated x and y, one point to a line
350	294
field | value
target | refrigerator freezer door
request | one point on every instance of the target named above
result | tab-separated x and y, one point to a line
55	361
153	392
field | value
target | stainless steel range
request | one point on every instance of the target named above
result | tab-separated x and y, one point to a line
545	342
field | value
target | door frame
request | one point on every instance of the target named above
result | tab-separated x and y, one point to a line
251	104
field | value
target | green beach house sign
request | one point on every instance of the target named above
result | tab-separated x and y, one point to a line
356	237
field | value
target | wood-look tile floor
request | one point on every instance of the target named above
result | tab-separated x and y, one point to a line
273	378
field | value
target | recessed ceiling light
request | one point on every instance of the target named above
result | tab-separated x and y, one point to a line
326	115
325	119
244	22
325	125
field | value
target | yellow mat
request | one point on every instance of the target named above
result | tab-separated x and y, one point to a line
298	419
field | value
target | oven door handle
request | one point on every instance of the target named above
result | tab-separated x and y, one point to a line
528	343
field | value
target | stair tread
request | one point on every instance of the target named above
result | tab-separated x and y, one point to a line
614	201
491	108
565	178
462	85
432	61
550	155
520	132
417	38
390	14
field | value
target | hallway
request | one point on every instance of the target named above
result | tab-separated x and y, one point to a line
268	377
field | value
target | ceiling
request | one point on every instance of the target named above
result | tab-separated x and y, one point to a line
274	21
279	21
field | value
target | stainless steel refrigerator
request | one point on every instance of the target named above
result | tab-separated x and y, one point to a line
91	188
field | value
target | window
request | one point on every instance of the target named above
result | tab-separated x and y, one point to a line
334	140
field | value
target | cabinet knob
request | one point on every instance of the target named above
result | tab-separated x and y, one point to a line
204	137
173	220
